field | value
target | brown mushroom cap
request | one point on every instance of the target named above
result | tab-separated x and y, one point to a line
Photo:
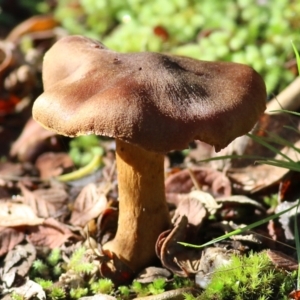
156	101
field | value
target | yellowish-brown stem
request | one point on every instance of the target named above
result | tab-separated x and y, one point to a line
143	212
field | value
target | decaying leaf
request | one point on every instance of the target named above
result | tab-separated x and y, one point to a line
252	179
210	180
281	260
17	214
175	257
46	203
89	204
9	171
9	238
51	234
192	207
29	290
240	200
149	274
52	164
33	140
17	264
108	223
211	259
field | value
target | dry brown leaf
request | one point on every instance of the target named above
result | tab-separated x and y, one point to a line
255	178
148	275
17	263
45	203
210	180
30	290
240	200
281	260
51	234
17	214
181	260
191	207
52	164
31	142
9	171
89	204
170	248
9	238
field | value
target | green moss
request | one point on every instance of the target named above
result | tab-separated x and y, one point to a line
249	278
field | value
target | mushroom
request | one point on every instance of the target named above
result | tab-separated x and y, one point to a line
151	104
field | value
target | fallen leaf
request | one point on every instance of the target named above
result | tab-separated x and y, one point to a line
255	178
240	200
32	142
45	203
148	275
193	208
17	214
210	180
89	204
17	264
9	238
9	171
51	234
181	260
29	290
281	260
52	164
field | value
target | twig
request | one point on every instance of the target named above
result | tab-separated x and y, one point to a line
177	294
288	99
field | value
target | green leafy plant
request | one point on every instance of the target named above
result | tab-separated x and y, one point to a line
16	296
139	288
49	267
84	148
54	257
57	293
77	263
157	287
45	284
244	31
102	286
40	268
78	292
181	282
124	291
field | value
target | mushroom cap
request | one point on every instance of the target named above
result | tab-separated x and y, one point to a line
156	101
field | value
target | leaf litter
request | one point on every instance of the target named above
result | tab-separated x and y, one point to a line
205	200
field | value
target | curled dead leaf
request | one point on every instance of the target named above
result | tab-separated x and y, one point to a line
180	260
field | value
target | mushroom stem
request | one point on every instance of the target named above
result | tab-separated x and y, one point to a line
143	211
